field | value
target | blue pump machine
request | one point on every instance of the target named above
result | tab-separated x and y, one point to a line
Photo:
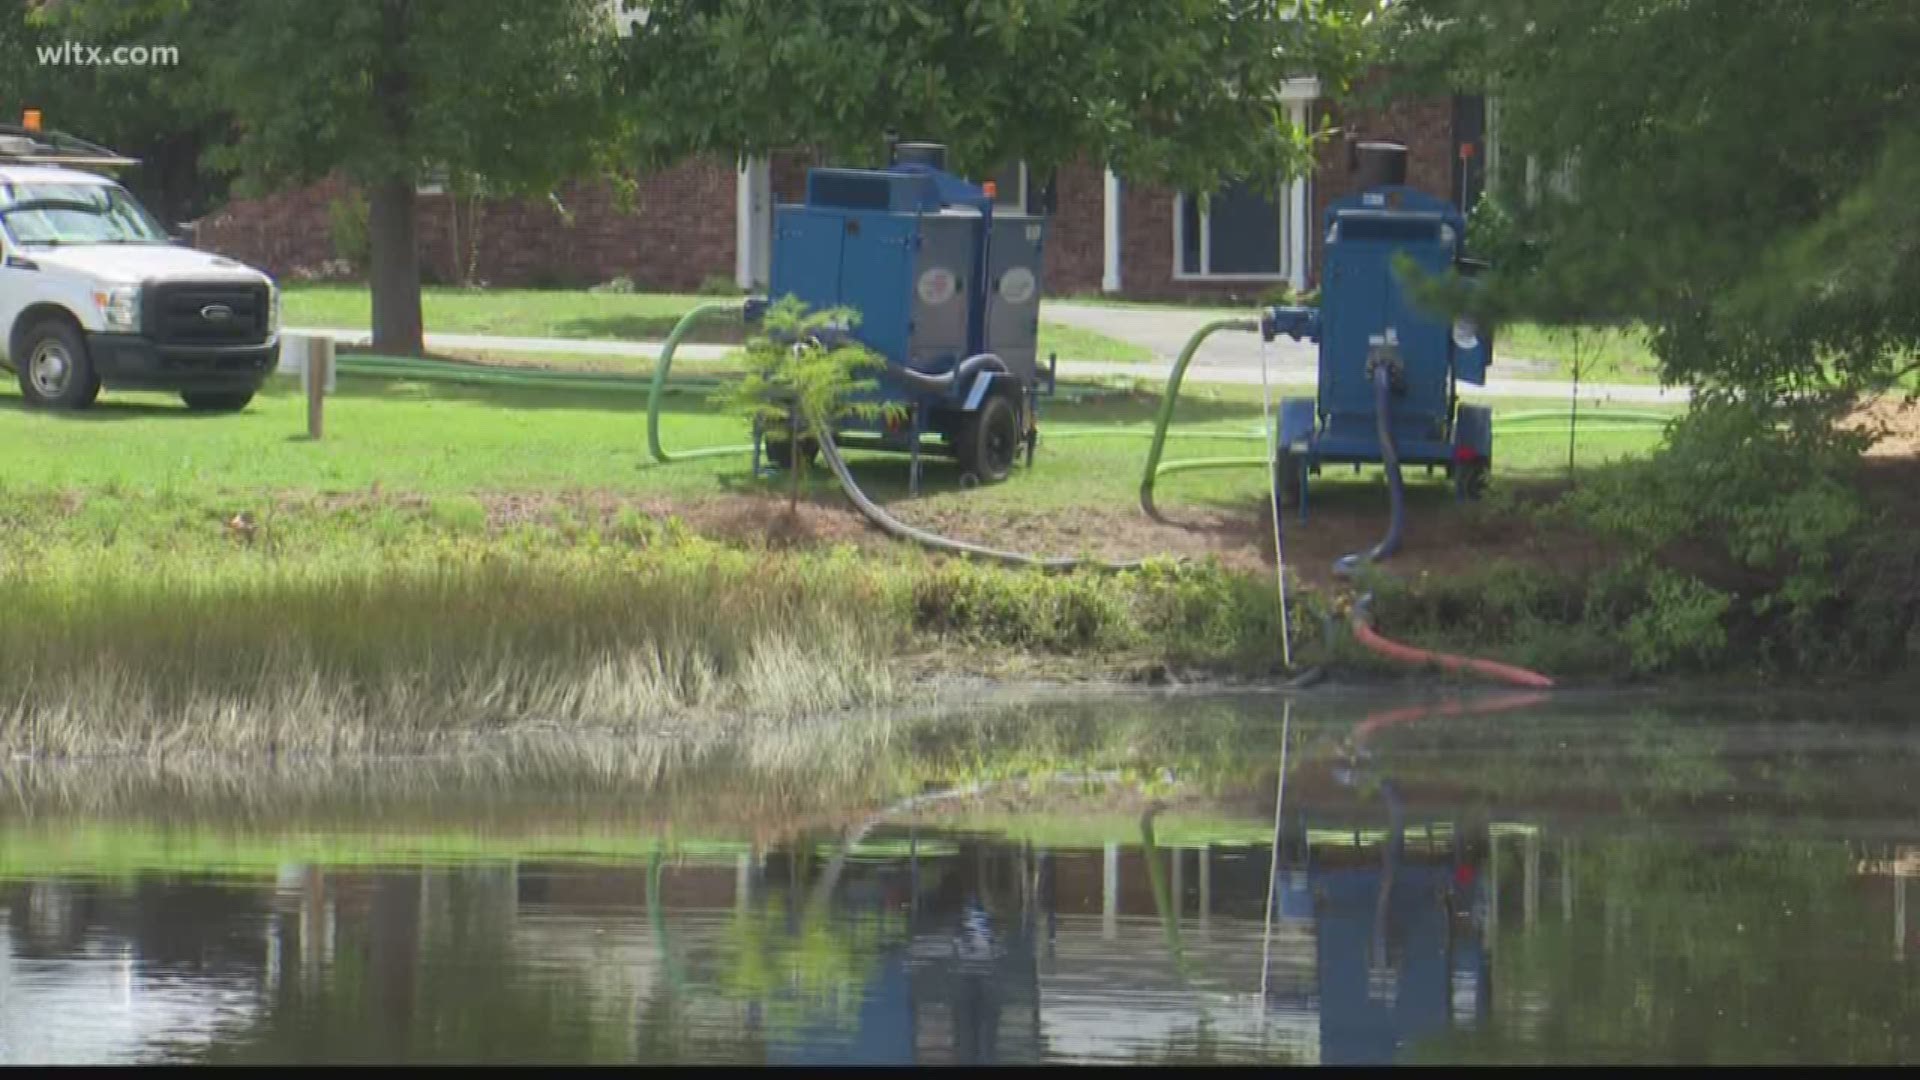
1367	319
947	291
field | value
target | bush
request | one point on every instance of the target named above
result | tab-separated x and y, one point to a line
1774	494
1064	614
1755	512
1283	295
1679	626
805	368
347	228
618	286
720	285
1200	614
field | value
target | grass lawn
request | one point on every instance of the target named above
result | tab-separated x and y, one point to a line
1606	356
578	314
435	439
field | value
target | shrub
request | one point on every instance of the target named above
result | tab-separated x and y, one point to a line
1283	295
619	286
347	228
1761	499
804	368
720	285
1681	624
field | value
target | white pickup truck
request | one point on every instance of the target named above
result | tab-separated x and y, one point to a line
94	292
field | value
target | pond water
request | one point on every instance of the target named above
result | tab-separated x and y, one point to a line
1469	879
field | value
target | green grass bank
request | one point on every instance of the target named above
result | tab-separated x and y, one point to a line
456	563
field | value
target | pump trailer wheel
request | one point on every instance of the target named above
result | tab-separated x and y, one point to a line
780	451
988	440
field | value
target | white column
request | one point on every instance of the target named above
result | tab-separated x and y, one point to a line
1110	892
751	221
1206	887
1110	270
1298	212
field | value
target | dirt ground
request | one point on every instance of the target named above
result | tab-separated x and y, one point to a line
1442	536
1897	422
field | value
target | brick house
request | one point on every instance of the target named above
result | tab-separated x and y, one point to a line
710	218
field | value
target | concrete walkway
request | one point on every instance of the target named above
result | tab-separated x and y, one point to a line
637	350
1227	358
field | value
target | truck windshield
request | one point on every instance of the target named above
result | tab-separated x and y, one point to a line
53	213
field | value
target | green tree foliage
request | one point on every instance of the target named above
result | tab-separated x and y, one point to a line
386	92
1736	175
803	372
393	91
1183	91
144	112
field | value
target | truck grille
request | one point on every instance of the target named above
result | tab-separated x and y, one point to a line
190	313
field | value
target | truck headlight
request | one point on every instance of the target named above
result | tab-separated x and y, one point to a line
273	308
120	307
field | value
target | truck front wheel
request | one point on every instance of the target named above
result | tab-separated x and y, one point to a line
55	371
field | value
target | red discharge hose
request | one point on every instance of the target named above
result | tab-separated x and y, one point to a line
1362	620
1407	654
1409	714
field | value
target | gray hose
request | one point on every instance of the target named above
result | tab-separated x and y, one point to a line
1396	489
945	381
895	527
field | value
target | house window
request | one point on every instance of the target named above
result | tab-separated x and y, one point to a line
1010	185
1239	233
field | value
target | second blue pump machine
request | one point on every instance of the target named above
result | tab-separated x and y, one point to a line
1389	368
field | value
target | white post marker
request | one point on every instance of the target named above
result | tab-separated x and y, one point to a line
310	356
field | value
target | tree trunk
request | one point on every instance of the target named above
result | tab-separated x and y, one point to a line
393	246
396	269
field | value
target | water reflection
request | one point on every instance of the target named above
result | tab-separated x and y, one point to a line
1486	895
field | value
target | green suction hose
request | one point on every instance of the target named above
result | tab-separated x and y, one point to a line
1137	433
660	368
1198	464
1172	395
458	372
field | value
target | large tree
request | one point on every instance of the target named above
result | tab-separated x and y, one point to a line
1736	173
389	93
1180	91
